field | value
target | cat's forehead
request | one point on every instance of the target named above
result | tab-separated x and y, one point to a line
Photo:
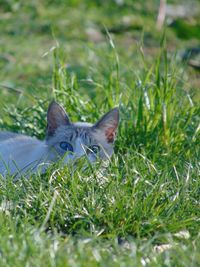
73	131
78	128
83	125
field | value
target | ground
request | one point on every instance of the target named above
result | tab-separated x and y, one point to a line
91	56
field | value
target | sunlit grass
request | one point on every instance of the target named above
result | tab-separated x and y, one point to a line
143	209
147	194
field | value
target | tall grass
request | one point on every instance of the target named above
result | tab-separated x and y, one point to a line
145	197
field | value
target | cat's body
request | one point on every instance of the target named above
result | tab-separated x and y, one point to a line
20	154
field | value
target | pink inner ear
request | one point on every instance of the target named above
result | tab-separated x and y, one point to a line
110	134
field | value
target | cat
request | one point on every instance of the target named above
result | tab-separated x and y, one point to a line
24	155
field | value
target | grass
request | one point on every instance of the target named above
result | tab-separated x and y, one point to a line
148	196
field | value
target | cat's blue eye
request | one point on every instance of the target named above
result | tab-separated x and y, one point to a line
66	146
94	149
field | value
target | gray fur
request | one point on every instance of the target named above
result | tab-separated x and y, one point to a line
89	134
20	153
7	135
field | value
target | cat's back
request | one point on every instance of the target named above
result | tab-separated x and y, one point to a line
19	150
14	139
12	143
7	135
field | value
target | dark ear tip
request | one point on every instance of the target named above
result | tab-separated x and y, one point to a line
52	103
115	111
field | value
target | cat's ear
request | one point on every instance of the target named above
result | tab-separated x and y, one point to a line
56	117
108	124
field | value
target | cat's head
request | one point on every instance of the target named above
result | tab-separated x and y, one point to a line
74	140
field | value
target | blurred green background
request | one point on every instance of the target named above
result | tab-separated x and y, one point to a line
30	31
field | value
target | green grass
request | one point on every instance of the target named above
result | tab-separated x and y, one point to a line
149	194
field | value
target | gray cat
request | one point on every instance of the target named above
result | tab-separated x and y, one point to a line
20	154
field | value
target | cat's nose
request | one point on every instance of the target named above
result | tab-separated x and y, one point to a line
80	149
79	153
